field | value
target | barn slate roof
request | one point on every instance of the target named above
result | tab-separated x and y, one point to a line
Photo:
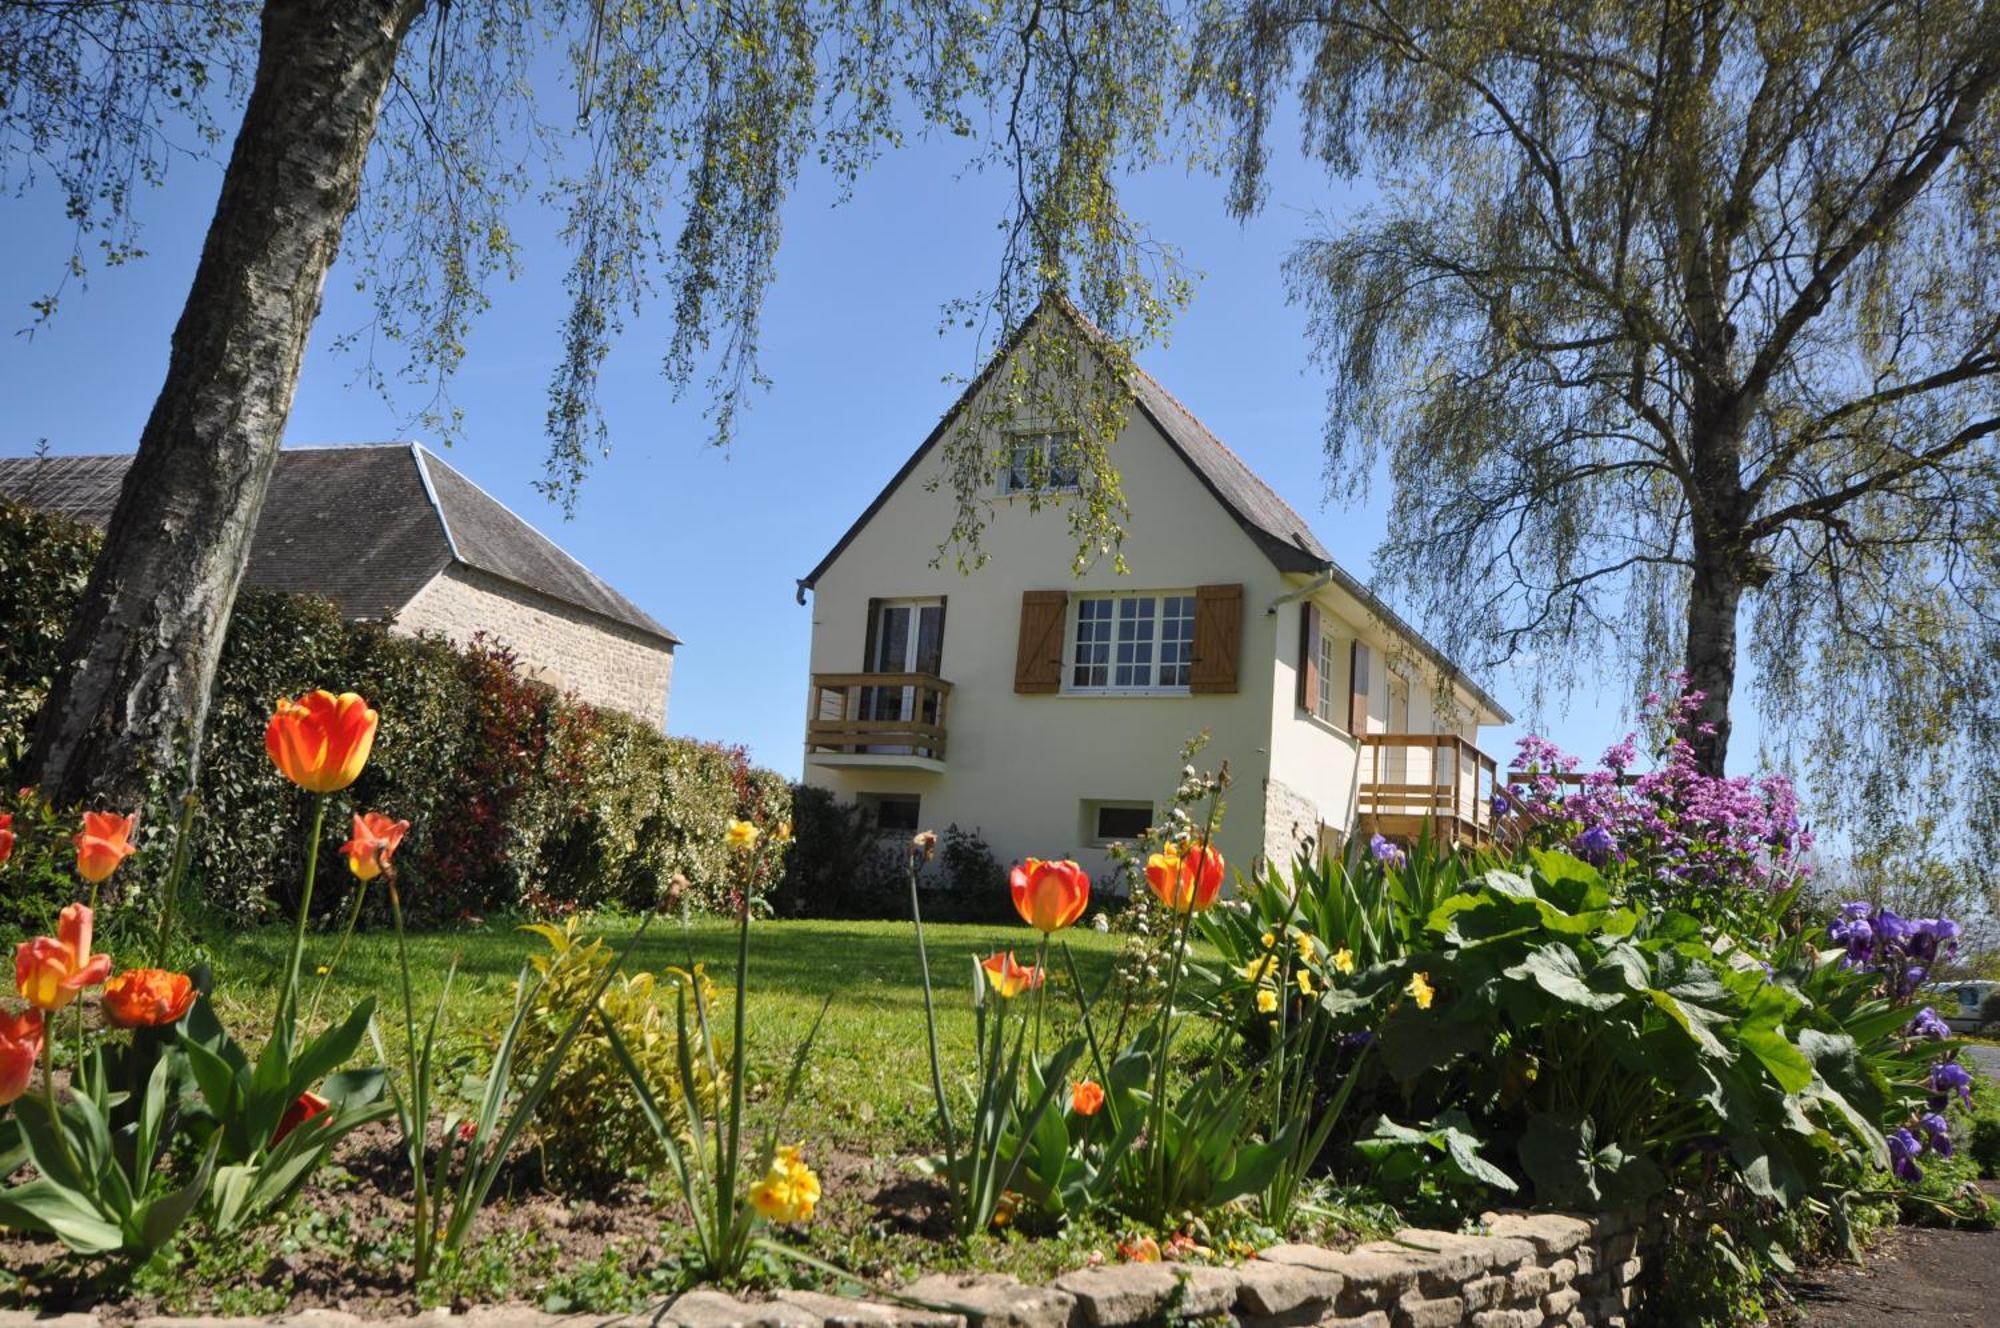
366	525
1272	524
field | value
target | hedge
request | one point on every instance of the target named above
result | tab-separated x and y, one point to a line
518	797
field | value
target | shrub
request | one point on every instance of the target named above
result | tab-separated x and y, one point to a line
589	1127
1673	836
44	562
518	797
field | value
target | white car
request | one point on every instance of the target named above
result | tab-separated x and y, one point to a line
1959	1003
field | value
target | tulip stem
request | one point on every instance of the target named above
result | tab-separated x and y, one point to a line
339	951
1041	994
417	1130
288	1009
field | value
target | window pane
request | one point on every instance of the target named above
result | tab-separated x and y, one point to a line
1135	642
1123	822
897	812
1329	672
1176	640
1020	466
1091	664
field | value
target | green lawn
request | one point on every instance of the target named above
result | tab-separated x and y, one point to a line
868	1082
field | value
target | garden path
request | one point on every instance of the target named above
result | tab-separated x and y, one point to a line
1918	1275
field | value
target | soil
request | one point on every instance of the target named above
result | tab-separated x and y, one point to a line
366	1195
1916	1275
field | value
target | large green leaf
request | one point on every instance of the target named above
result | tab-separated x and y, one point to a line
1556	969
45	1207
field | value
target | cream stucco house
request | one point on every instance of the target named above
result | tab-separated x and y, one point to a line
1048	709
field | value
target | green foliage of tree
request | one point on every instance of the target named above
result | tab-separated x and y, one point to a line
667	137
1664	310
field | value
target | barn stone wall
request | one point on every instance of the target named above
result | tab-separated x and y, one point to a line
602	662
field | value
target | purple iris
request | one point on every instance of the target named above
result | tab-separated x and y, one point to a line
1904	1150
1852	930
1948	1077
1937	1133
1500	803
1385	852
1596	844
1928	1025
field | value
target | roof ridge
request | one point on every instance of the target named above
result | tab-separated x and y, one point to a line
437	507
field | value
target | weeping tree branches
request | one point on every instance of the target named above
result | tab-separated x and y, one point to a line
1666	309
678	132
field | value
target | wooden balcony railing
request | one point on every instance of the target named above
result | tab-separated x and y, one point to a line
1410	778
877	715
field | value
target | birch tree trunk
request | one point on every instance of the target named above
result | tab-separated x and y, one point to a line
131	700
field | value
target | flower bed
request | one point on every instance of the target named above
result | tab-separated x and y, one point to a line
1413	1024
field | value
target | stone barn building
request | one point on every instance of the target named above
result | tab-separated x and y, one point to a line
392	534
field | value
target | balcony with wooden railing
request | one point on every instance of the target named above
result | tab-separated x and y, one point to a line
1410	779
877	719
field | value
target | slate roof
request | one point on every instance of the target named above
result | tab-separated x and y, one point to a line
1271	523
367	526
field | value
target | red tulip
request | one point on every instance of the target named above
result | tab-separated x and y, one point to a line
49	971
1049	895
321	741
1087	1098
20	1044
147	998
6	837
308	1106
106	841
1009	978
1185	877
374	844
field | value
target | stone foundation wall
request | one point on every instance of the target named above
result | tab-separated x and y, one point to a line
604	663
1290	818
1528	1270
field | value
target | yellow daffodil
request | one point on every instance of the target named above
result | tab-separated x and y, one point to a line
1305	981
1269	940
1304	943
789	1190
1343	960
1267	1000
1260	968
741	834
1421	991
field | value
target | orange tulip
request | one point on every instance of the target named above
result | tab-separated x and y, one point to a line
20	1044
321	741
147	998
308	1106
1087	1098
1009	978
1185	877
6	837
373	847
105	841
49	971
1049	895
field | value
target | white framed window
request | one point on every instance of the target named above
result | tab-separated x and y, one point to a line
892	813
1039	462
1331	704
1141	642
1106	822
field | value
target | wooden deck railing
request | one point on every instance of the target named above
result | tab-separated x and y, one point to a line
877	714
1410	778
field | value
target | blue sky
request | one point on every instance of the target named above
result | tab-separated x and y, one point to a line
711	542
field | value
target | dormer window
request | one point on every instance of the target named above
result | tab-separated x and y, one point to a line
1040	462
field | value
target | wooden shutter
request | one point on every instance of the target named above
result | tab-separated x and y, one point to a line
1309	658
1357	708
1218	638
1038	660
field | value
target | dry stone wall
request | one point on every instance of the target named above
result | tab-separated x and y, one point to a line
604	663
1525	1270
